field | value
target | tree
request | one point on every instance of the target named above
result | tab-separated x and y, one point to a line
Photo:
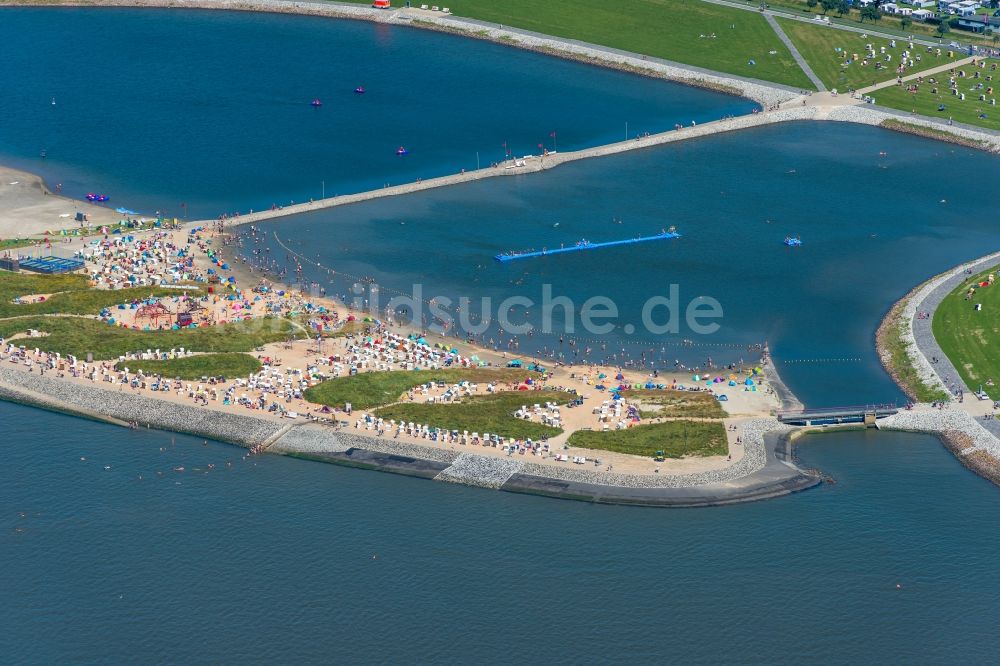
827	5
811	3
843	7
905	22
871	12
942	28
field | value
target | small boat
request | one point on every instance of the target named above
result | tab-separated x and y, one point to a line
316	102
359	90
402	151
53	101
793	242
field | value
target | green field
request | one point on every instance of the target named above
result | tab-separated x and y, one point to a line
675	438
925	102
492	414
79	335
970	338
669	29
196	367
70	294
372	389
818	45
675	404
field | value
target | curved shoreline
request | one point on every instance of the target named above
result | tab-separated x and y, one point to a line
781	104
975	442
763	472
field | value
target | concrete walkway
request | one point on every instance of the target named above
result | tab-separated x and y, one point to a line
795	53
910	77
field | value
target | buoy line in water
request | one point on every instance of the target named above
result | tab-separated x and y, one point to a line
823	360
573	340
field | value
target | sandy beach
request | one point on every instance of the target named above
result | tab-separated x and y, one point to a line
29	208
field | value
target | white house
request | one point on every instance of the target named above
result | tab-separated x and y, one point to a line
889	8
921	14
922	4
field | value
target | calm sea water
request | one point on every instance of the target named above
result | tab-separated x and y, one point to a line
277	560
159	108
734	197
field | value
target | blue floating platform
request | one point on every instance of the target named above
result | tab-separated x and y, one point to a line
51	265
585	245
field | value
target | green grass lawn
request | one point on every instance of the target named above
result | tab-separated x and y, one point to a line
196	367
371	389
675	438
969	338
674	404
78	335
818	45
488	413
669	29
71	294
925	102
13	243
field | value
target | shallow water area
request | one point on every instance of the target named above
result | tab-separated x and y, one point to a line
734	197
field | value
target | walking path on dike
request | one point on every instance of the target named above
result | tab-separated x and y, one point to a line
916	75
795	53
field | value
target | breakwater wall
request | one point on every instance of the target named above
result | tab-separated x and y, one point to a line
535	164
126	407
759	474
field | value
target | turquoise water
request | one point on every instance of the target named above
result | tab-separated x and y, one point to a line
159	108
734	197
271	560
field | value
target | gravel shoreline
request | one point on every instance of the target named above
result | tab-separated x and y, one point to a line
124	407
868	115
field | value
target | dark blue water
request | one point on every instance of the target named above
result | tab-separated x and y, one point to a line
272	561
870	234
159	108
276	560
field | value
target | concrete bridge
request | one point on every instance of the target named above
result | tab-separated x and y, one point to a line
866	414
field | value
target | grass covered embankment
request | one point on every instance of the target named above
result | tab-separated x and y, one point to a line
492	414
373	389
196	367
969	337
80	335
722	39
675	438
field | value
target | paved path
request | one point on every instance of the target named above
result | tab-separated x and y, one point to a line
910	77
795	53
864	30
